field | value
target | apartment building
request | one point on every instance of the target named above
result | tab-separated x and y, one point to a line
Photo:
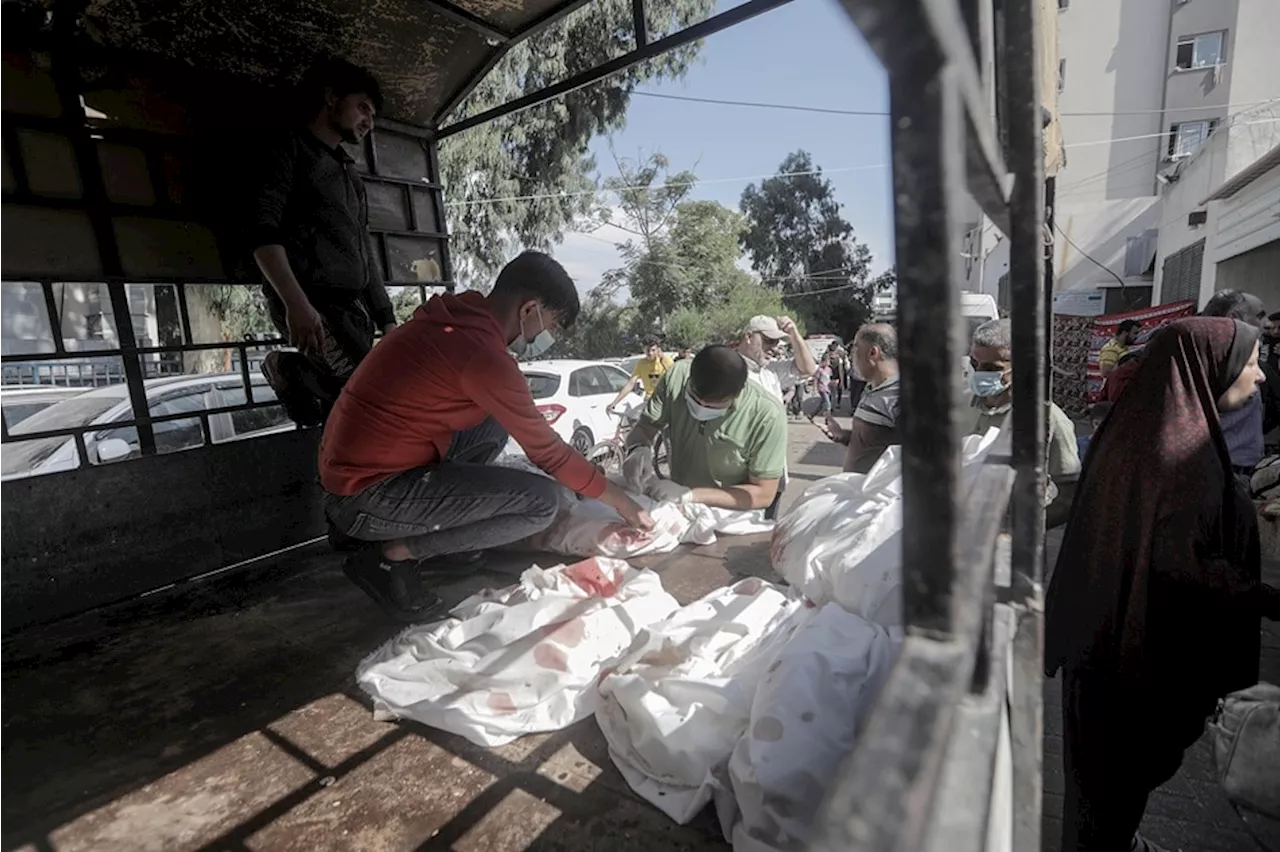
1150	91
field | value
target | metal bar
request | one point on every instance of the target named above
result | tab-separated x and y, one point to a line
1029	416
423	235
710	26
244	372
962	812
388	179
162	209
400	127
458	15
66	75
882	798
1050	201
118	424
371	153
927	138
55	318
164	349
1026	295
17	164
437	202
468	86
410	207
639	24
184	317
904	33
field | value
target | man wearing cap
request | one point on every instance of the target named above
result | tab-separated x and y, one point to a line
758	346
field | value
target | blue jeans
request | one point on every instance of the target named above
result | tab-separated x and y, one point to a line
459	505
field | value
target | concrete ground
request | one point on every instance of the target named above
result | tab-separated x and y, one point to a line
224	716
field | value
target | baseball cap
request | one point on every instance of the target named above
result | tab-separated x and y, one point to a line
768	326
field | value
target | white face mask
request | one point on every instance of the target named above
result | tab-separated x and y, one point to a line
987	383
542	341
702	412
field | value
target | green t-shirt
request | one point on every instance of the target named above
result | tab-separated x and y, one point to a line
750	442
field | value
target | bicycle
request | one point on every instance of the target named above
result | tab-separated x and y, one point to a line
610	453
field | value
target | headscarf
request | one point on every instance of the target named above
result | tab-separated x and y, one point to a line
1160	451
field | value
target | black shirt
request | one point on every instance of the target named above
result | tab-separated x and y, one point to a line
311	200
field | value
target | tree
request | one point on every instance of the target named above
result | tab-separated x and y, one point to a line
600	331
798	241
540	154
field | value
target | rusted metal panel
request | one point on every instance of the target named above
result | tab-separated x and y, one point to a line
77	540
418	53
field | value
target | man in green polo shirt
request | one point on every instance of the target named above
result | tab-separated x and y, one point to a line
727	436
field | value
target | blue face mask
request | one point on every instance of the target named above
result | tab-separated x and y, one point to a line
542	341
702	412
987	383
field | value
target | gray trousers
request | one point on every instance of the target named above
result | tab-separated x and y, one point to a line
459	505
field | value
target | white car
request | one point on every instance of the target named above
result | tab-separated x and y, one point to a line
572	396
103	407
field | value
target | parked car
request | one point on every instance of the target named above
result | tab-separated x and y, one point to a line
572	396
19	403
103	407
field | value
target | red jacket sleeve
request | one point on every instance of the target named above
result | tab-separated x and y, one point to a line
496	384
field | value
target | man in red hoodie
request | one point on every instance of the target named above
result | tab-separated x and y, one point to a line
405	454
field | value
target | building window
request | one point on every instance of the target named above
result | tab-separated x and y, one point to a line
1062	4
1200	51
1186	138
1062	75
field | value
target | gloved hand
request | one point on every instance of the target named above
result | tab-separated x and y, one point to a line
667	491
637	469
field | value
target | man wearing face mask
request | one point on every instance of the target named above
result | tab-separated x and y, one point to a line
727	436
405	457
991	382
758	344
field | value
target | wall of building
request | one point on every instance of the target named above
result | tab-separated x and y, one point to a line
1197	179
1115	58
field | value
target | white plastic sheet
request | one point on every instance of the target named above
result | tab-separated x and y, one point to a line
814	696
841	541
520	660
590	528
675	705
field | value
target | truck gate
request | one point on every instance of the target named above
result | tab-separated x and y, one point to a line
951	757
117	114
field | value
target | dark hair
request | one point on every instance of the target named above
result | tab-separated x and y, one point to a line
651	341
717	373
340	77
1235	304
534	275
1127	325
1099	410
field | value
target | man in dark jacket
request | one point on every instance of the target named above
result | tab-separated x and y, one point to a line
310	237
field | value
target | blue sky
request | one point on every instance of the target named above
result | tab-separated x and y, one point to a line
806	53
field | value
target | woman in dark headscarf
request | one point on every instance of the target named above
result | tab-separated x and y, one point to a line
1154	606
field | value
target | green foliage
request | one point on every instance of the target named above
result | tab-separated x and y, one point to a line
798	241
404	301
542	152
240	308
600	331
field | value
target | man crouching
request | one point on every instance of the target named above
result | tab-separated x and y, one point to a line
727	436
405	458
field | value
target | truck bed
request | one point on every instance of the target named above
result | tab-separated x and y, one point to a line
225	716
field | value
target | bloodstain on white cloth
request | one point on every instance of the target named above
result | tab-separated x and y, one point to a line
593	579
